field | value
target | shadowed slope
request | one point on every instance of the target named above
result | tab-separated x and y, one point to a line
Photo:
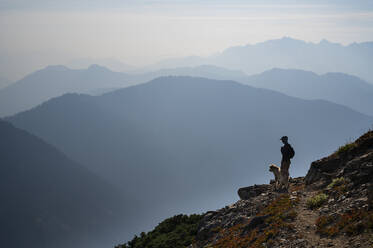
50	201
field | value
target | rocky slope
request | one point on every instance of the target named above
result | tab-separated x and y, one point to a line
332	206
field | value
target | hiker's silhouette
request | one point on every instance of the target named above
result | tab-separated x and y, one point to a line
288	153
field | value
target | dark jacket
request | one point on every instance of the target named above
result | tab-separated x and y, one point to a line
286	152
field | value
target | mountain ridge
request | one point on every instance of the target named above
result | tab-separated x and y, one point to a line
190	129
50	200
288	53
332	206
57	80
340	88
53	81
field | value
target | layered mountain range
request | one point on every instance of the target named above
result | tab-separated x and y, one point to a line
176	141
287	52
339	88
55	81
90	157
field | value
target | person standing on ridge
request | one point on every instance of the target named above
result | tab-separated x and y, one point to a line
288	153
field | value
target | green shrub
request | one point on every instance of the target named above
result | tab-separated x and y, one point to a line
316	201
175	232
345	148
336	182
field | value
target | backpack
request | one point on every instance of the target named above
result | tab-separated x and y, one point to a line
291	152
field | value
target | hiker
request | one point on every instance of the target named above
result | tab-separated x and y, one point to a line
287	153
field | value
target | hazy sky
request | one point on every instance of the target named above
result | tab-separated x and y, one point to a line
40	32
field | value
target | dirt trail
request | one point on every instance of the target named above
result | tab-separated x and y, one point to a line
305	225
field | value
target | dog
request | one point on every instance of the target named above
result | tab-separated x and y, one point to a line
280	181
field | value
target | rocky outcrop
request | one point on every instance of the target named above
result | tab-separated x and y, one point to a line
243	212
331	207
253	191
323	170
237	213
264	217
359	170
352	160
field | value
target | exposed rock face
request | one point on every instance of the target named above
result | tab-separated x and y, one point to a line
359	169
352	162
370	195
323	170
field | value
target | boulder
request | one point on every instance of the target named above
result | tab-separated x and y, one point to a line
253	191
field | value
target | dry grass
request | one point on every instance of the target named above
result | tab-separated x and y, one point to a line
281	213
353	223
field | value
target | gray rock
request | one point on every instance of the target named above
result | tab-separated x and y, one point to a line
253	191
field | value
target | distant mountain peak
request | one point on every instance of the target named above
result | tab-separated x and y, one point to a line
289	38
277	70
325	42
96	67
286	40
56	68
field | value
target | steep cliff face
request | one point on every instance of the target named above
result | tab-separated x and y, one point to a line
331	207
